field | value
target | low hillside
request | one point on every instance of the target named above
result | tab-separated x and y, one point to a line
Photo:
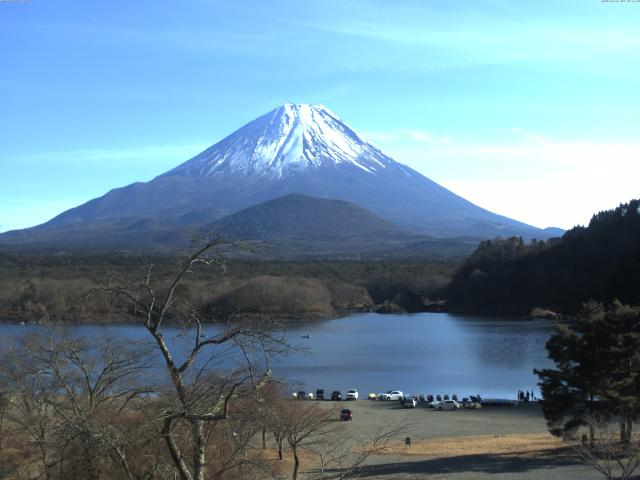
286	297
294	226
296	216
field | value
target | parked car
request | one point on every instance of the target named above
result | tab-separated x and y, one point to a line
310	396
433	404
352	394
472	403
301	395
320	394
372	396
391	395
396	395
409	402
448	405
336	395
346	414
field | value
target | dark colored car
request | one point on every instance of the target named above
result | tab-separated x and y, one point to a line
320	394
336	395
301	395
346	414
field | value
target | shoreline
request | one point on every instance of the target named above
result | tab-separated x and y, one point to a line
288	320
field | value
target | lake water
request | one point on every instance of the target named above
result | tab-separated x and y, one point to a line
417	353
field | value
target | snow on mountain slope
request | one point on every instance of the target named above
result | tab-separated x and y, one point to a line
292	138
294	149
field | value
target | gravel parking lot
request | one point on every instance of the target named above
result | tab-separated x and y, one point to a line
425	423
492	442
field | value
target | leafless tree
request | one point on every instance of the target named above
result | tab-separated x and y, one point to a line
268	411
314	428
30	399
67	397
215	371
7	465
234	443
606	453
304	424
339	459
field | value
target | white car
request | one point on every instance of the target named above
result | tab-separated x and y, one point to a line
448	405
352	394
391	395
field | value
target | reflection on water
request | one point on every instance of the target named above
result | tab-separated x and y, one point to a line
419	353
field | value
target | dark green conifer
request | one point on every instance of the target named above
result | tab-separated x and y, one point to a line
597	370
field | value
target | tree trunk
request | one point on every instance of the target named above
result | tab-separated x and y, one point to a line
176	456
592	437
199	443
121	458
44	459
279	440
264	438
623	433
88	461
296	463
628	434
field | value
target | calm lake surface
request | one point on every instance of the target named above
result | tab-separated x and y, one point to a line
417	353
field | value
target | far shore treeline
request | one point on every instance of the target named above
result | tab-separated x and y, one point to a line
71	288
598	262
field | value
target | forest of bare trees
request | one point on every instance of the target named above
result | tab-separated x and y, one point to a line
74	406
56	289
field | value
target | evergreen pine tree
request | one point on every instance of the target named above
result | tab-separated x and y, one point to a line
597	370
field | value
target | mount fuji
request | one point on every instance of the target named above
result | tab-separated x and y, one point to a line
294	149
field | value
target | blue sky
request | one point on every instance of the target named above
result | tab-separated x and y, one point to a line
529	109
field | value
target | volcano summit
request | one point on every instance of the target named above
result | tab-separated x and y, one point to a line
290	139
294	149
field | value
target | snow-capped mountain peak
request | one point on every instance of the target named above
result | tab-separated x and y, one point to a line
294	149
292	138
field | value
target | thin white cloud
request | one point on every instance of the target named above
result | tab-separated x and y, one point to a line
560	202
150	153
485	34
523	174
